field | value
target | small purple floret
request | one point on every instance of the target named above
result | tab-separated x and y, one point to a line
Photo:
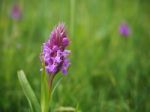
124	29
54	53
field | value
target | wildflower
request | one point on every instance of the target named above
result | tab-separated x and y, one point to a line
16	12
124	29
54	53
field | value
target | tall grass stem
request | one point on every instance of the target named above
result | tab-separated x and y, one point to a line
72	16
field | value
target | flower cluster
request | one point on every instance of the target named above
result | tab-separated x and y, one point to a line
16	12
54	54
124	29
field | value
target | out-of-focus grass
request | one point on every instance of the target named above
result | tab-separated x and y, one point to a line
109	73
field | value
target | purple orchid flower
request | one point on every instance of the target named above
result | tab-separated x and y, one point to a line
124	29
16	12
54	53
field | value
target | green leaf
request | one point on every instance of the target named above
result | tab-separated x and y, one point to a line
29	93
56	85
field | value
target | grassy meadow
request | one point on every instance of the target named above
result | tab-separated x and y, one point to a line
108	72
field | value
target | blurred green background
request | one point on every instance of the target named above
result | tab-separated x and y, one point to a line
108	73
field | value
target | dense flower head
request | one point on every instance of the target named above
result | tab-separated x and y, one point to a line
54	53
16	12
124	29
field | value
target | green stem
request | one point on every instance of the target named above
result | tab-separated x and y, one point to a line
45	93
72	11
50	81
